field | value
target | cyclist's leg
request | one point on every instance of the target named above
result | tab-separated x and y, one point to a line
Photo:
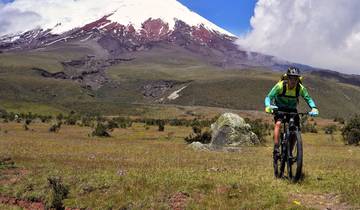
277	129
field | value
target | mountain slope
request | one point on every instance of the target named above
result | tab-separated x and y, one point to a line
107	60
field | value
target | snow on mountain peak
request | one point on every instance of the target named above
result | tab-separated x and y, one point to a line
63	15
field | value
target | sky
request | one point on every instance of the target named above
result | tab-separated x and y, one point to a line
320	33
232	15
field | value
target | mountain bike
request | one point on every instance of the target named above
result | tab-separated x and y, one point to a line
291	149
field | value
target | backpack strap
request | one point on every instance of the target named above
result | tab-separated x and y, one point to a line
284	88
298	90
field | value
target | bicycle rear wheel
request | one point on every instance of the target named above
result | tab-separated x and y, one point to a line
295	157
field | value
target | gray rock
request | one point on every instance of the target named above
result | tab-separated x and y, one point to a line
199	146
230	130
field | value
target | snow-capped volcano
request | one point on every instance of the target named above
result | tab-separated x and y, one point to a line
62	16
124	27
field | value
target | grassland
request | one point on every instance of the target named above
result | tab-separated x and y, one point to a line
141	168
207	85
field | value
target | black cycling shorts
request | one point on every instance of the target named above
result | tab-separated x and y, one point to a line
278	117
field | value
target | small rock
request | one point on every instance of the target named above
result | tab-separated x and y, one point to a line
121	172
199	146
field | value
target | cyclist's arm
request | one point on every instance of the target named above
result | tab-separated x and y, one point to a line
305	94
276	90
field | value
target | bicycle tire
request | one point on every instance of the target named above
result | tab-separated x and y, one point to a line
280	160
284	143
297	160
283	160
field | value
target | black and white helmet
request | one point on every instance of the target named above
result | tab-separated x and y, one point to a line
293	71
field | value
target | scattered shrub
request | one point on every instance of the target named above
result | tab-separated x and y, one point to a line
199	136
330	129
112	124
260	128
196	129
28	121
59	192
71	119
123	122
339	120
60	117
351	131
101	130
161	127
45	119
306	126
55	127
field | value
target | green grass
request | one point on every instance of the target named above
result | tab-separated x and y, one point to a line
49	59
158	165
208	85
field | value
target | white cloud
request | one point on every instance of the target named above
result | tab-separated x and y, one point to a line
322	33
22	15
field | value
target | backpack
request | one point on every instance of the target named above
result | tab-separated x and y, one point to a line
284	78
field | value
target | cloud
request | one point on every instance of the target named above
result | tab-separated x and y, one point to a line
22	15
12	21
321	33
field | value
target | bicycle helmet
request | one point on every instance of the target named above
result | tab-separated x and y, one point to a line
293	72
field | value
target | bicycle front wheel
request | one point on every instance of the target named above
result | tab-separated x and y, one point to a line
295	157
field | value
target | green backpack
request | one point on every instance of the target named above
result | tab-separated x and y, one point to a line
284	78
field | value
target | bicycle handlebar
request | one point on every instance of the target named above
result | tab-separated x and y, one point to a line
291	113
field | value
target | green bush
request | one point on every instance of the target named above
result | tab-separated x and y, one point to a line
196	129
260	128
55	127
199	136
101	130
351	131
330	129
339	120
71	119
161	127
123	122
59	192
60	117
306	126
112	124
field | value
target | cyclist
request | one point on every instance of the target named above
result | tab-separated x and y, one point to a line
284	97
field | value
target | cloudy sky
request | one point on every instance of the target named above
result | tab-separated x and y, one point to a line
321	33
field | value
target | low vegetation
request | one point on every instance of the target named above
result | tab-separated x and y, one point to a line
198	135
142	169
260	128
101	130
307	125
330	129
351	131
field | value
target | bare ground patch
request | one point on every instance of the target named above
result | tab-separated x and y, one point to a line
28	205
178	201
329	201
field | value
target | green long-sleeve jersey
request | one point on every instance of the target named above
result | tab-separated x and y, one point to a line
289	99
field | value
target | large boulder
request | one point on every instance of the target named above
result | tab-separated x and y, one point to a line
231	130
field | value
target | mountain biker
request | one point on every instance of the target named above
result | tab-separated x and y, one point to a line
284	97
